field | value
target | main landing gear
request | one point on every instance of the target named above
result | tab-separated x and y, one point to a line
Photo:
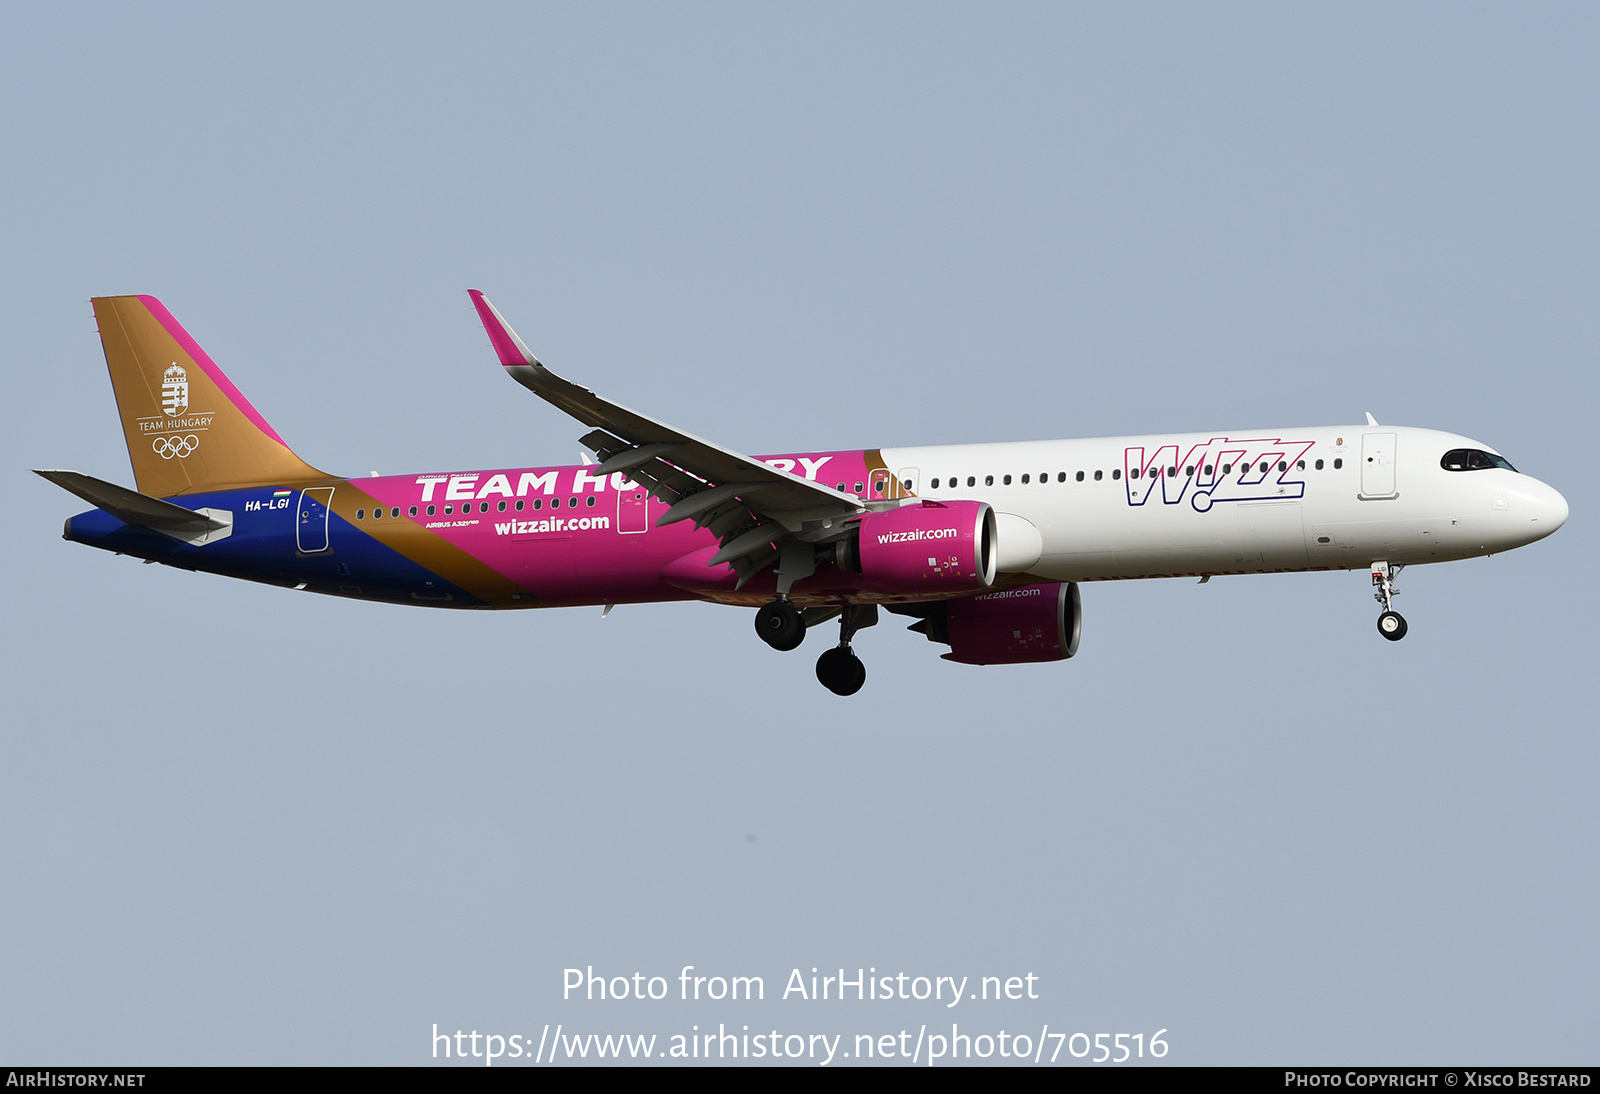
839	669
1391	624
783	627
779	623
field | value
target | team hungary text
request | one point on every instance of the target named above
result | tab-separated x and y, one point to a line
865	984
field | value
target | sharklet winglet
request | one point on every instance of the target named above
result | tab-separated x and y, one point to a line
511	349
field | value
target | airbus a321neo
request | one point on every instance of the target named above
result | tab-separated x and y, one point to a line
983	545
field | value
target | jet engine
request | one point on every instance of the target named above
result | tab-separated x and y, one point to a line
931	547
1010	627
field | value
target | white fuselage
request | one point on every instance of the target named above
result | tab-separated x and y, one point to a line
1239	501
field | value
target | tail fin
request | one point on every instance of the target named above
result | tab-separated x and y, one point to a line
188	428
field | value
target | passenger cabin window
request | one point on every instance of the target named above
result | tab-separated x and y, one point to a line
1318	465
1006	481
1115	474
361	514
1457	459
1337	464
988	480
971	481
1097	475
413	510
934	485
1024	480
1080	476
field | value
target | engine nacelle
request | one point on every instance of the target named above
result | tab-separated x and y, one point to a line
1016	626
932	547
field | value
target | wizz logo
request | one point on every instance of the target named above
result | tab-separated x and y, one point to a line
1221	469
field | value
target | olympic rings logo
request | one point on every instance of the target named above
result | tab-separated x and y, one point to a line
168	447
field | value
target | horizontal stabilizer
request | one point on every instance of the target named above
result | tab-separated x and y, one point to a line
130	506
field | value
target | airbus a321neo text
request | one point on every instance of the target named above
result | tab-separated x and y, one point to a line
984	545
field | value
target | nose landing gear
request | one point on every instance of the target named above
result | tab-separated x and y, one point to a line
1391	624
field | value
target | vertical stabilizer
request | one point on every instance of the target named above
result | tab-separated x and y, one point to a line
188	428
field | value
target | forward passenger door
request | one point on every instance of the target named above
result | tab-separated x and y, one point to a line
1377	465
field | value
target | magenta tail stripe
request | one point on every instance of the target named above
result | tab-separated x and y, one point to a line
201	358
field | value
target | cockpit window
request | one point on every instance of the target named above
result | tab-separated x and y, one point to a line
1473	459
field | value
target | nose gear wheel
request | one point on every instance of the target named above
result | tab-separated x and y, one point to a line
1391	624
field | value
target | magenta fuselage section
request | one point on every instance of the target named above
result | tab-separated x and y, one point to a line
527	537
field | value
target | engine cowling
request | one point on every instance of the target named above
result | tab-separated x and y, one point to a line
931	547
1016	626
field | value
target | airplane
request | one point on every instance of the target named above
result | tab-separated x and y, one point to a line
984	546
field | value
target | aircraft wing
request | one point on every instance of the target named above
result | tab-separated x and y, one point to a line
748	505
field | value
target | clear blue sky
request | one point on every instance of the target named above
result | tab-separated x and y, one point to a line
243	825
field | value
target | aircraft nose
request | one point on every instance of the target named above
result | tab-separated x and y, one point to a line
1557	506
1549	509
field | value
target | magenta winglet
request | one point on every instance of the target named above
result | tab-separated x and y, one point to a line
201	358
505	344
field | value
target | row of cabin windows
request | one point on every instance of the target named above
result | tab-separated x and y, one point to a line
1155	472
972	480
483	507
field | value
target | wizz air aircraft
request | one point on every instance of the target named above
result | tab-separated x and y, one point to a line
983	545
